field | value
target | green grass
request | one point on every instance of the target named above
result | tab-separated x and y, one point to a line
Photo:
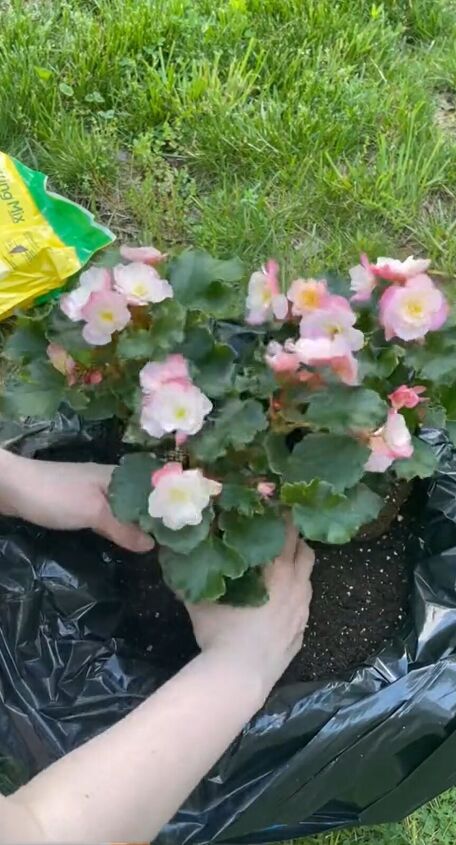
303	129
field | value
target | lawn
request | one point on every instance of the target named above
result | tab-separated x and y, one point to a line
304	129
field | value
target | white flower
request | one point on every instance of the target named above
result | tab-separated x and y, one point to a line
176	406
141	283
180	496
92	280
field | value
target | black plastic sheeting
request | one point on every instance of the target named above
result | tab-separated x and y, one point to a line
366	749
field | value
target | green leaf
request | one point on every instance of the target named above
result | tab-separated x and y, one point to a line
200	575
198	344
434	416
328	517
215	374
343	409
165	333
451	431
335	458
193	273
237	424
43	73
66	89
313	494
256	380
247	591
38	393
277	452
258	538
422	464
182	541
101	406
435	360
239	497
378	363
66	333
26	343
131	485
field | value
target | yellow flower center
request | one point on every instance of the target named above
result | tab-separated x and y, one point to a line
308	298
180	412
107	316
139	289
178	496
414	309
266	296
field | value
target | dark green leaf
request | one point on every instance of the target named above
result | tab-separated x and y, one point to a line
328	517
343	409
451	431
258	539
422	464
26	343
256	380
215	373
101	406
37	394
183	541
131	486
165	333
198	343
378	363
247	591
277	452
335	458
200	575
237	424
435	360
68	334
193	273
239	497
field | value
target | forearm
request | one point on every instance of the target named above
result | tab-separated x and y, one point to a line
10	471
127	782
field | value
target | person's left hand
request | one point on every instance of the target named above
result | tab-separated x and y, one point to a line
65	496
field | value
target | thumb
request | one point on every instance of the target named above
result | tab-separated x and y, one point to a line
127	535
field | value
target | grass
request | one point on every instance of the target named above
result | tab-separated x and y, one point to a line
304	129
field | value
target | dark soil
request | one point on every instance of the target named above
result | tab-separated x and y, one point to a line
361	593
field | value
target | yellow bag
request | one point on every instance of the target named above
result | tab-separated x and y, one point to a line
44	238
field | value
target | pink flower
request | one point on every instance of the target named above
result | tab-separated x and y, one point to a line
406	397
393	270
335	321
63	362
266	489
141	284
145	254
390	442
155	374
307	295
329	352
180	496
94	279
106	312
412	310
264	300
280	360
93	377
363	280
176	406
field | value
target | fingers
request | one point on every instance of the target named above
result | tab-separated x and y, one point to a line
126	535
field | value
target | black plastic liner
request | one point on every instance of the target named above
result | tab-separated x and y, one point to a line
366	749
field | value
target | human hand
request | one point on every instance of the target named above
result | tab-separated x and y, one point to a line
64	496
266	638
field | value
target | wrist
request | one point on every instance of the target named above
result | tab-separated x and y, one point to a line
9	483
247	672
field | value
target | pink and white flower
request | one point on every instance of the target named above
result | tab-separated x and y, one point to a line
393	270
105	312
141	284
334	353
266	489
264	300
307	295
406	397
62	361
155	374
363	280
145	254
180	496
92	280
413	309
392	441
176	406
333	322
280	360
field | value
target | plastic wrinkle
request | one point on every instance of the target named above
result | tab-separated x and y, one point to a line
365	749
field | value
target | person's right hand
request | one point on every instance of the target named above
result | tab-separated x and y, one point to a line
266	638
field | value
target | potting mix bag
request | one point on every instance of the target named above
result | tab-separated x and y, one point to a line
44	238
365	748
